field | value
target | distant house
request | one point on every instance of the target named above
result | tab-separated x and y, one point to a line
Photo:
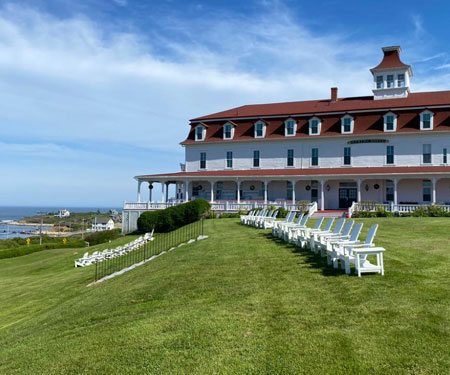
101	224
63	213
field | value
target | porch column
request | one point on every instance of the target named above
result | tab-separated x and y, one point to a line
266	183
238	184
212	191
433	197
293	183
167	191
186	191
139	191
162	192
150	189
322	195
395	181
358	186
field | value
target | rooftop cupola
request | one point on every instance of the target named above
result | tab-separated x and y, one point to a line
391	76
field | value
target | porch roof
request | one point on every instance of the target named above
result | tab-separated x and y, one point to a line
300	172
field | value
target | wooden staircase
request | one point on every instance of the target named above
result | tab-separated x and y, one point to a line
330	213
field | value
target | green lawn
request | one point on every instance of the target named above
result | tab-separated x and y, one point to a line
237	303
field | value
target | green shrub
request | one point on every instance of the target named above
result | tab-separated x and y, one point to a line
103	236
172	218
24	250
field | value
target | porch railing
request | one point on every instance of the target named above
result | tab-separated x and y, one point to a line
390	207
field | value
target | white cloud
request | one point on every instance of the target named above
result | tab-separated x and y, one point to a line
68	81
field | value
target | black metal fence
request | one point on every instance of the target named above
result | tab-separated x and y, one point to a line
162	242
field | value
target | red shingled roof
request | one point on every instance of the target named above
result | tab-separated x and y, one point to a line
295	172
391	59
419	99
366	123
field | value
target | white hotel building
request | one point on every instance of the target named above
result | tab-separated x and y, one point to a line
390	147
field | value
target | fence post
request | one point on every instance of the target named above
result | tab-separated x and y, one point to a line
96	271
202	226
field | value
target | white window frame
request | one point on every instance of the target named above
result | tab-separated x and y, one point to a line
382	82
263	129
393	156
398	81
445	156
286	128
203	133
388	81
231	130
311	157
200	161
431	120
343	157
226	160
319	125
352	123
259	159
385	122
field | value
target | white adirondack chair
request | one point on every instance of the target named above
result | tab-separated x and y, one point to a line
336	246
315	242
325	240
303	233
268	222
84	261
284	228
293	231
356	253
312	234
277	224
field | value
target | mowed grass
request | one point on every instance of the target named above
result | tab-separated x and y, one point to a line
239	302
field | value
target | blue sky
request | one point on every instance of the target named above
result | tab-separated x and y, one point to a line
95	92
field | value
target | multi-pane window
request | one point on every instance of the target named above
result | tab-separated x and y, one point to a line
347	156
379	82
390	122
229	159
290	127
389	191
390	80
389	154
256	159
426	154
202	160
227	131
426	120
426	190
401	80
347	125
290	158
289	189
259	129
314	126
314	156
444	156
199	133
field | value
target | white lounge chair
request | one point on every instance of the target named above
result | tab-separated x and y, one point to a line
303	233
336	245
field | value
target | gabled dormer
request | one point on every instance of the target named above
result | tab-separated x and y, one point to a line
391	77
290	127
260	129
200	132
347	124
426	120
390	122
315	125
228	130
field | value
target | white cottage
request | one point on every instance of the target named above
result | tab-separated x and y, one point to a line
101	224
390	147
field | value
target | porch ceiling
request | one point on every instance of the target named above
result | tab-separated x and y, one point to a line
441	171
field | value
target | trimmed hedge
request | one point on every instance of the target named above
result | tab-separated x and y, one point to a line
24	250
172	218
103	236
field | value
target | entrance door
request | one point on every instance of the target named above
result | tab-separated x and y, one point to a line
347	196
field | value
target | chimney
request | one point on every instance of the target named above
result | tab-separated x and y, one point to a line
334	94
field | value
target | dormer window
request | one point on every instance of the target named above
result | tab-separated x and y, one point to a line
260	129
400	80
314	126
290	127
347	124
426	120
228	131
200	131
390	122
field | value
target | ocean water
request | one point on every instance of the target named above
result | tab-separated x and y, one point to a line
17	213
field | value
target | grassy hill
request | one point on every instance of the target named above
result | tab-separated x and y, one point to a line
237	303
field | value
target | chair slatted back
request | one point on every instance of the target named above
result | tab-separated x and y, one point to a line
275	214
356	231
329	224
304	220
371	234
318	223
299	219
339	225
348	227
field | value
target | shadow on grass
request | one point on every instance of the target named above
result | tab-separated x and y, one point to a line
310	258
